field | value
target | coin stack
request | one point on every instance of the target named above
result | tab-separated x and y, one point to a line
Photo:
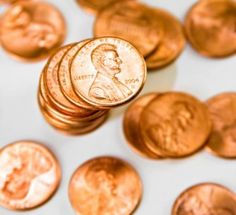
81	82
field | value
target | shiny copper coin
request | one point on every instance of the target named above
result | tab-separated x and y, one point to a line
94	6
105	185
222	109
205	199
29	175
131	126
65	79
52	84
108	72
210	27
131	21
32	30
175	124
172	42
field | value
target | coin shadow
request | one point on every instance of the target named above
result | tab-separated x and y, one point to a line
157	81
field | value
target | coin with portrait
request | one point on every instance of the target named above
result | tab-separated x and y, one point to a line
29	175
32	30
108	72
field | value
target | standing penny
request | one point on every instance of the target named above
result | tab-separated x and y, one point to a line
205	199
131	21
131	126
29	175
104	186
172	42
210	27
175	124
32	30
108	72
222	109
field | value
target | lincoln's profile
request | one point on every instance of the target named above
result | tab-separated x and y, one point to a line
106	86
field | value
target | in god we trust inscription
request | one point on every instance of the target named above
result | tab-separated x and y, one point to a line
108	72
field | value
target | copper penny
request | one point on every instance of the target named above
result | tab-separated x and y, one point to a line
32	30
222	141
131	21
131	126
94	6
52	84
29	175
105	185
64	76
210	27
172	42
205	199
108	72
175	124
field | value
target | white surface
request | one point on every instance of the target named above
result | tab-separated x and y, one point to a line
163	180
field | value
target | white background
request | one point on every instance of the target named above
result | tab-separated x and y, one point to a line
20	118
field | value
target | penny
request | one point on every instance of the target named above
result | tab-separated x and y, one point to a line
131	126
204	199
94	6
210	27
105	185
29	175
131	21
171	44
175	124
222	141
64	76
108	72
32	30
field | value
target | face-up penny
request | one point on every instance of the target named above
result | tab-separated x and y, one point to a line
29	175
131	21
210	27
205	199
172	42
222	110
105	185
32	30
94	6
175	124
65	79
108	72
131	126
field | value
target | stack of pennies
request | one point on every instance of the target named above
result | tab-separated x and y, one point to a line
205	199
81	82
136	23
175	125
167	125
210	27
27	34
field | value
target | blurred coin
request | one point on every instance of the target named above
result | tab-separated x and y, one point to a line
105	185
131	125
108	72
222	109
210	27
172	42
29	175
175	124
64	76
131	21
32	30
205	199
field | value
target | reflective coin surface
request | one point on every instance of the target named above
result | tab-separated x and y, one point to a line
205	199
222	110
108	72
32	30
210	27
104	186
29	175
